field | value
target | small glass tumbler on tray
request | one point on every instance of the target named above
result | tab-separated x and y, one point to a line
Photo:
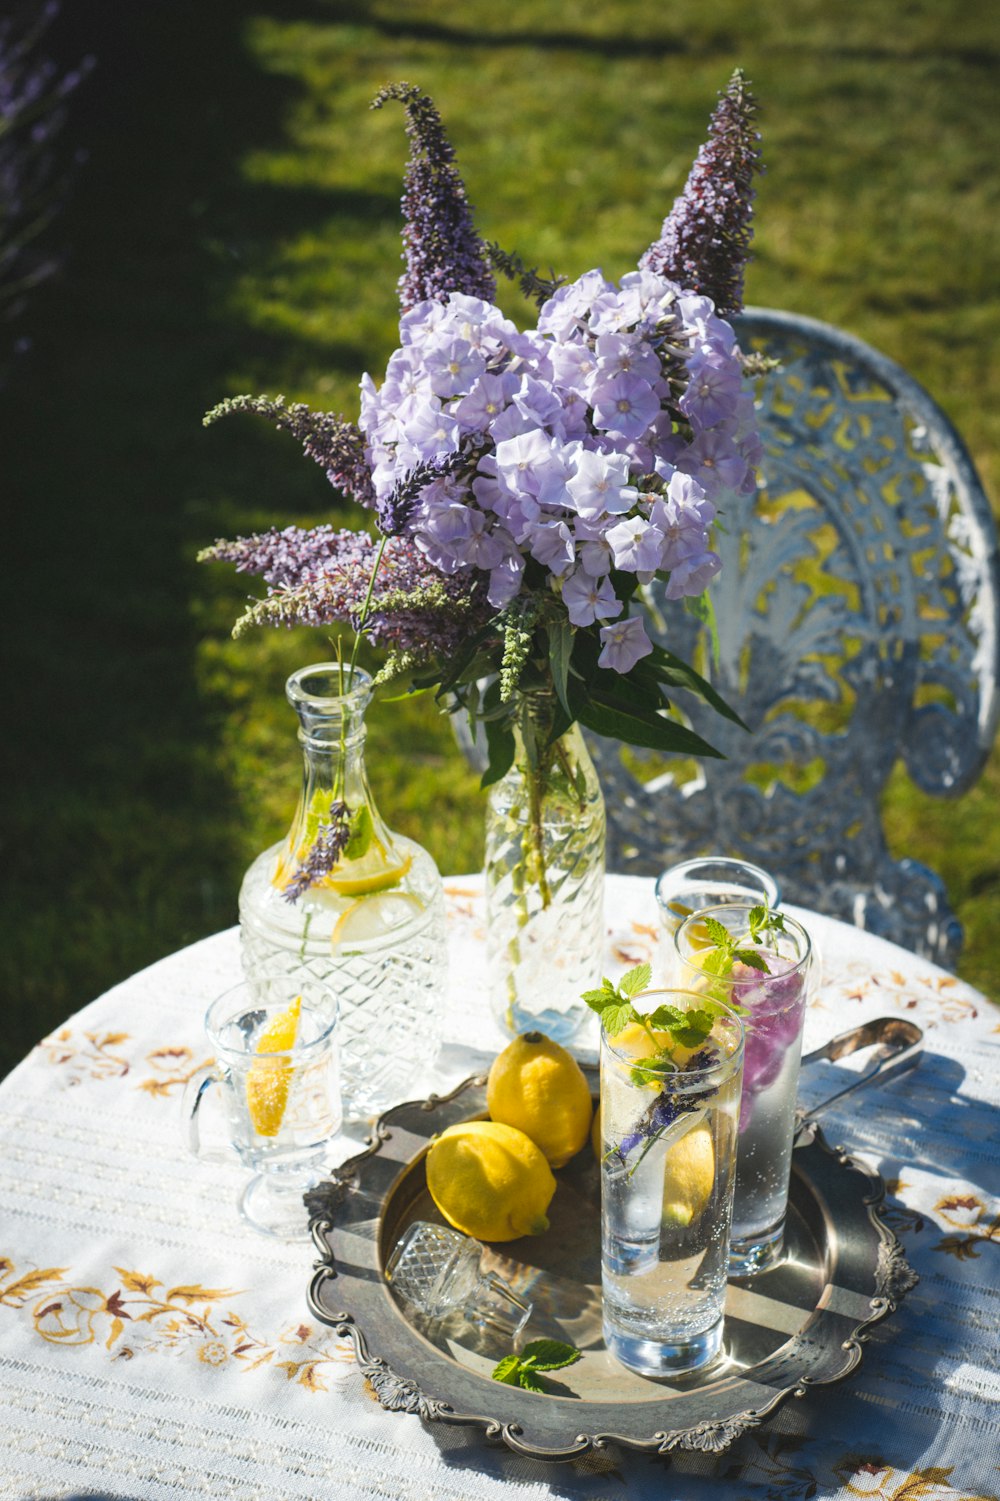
438	1271
668	1149
709	881
772	1000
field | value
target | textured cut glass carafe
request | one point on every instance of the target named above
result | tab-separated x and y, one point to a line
372	926
545	881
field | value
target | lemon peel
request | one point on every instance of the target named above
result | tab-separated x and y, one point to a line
374	915
269	1079
490	1181
539	1088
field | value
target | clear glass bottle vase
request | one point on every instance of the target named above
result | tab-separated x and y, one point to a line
545	880
372	925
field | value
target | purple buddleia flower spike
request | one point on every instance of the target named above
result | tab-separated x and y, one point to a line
289	557
335	444
324	852
395	510
442	250
705	240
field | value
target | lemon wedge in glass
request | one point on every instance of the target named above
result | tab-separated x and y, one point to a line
269	1079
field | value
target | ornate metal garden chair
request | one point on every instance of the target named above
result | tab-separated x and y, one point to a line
858	616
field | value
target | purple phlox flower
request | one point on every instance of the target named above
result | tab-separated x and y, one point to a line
588	599
505	580
714	461
625	354
573	366
568	309
714	390
692	575
336	445
527	462
705	240
488	396
623	644
624	405
442	250
573	422
324	852
551	543
537	400
637	545
429	432
602	484
453	367
683	516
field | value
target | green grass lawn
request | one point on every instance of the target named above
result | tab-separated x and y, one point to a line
236	228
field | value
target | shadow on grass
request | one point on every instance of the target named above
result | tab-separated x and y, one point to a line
120	835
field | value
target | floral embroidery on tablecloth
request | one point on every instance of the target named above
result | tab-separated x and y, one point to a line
873	1480
172	1068
96	1056
967	1212
141	1317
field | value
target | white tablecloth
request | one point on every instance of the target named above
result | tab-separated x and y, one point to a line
152	1347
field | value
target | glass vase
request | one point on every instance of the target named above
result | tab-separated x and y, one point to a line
545	881
371	926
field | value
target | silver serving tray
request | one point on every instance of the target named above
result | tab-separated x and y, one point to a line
788	1331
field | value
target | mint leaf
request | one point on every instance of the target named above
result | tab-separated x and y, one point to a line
756	919
615	1017
550	1354
507	1370
530	1382
665	1018
360	836
716	962
597	998
718	934
694	1029
652	1070
752	958
635	980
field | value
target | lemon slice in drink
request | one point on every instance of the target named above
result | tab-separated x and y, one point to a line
688	1177
382	878
268	1079
373	916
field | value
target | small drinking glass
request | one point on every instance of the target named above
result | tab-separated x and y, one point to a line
439	1271
711	882
668	1149
773	1004
280	1098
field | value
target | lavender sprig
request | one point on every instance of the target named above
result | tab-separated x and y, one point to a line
324	852
705	240
442	250
337	445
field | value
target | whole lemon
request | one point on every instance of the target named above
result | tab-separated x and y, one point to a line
490	1181
538	1087
688	1177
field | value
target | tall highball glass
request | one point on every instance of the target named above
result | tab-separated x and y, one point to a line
772	1002
668	1128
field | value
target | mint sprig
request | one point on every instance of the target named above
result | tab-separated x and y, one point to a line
613	1004
539	1355
728	950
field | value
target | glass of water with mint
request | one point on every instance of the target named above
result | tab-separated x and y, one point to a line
761	964
671	1074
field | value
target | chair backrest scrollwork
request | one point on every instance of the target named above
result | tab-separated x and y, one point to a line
858	615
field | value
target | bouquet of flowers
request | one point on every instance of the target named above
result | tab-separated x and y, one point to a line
527	486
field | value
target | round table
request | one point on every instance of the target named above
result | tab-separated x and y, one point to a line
152	1346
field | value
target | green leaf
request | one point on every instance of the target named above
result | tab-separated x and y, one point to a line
652	731
752	958
718	933
756	919
653	1069
680	674
507	1370
616	1017
500	748
529	1380
694	1029
665	1018
550	1354
635	980
597	999
560	649
360	836
716	962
